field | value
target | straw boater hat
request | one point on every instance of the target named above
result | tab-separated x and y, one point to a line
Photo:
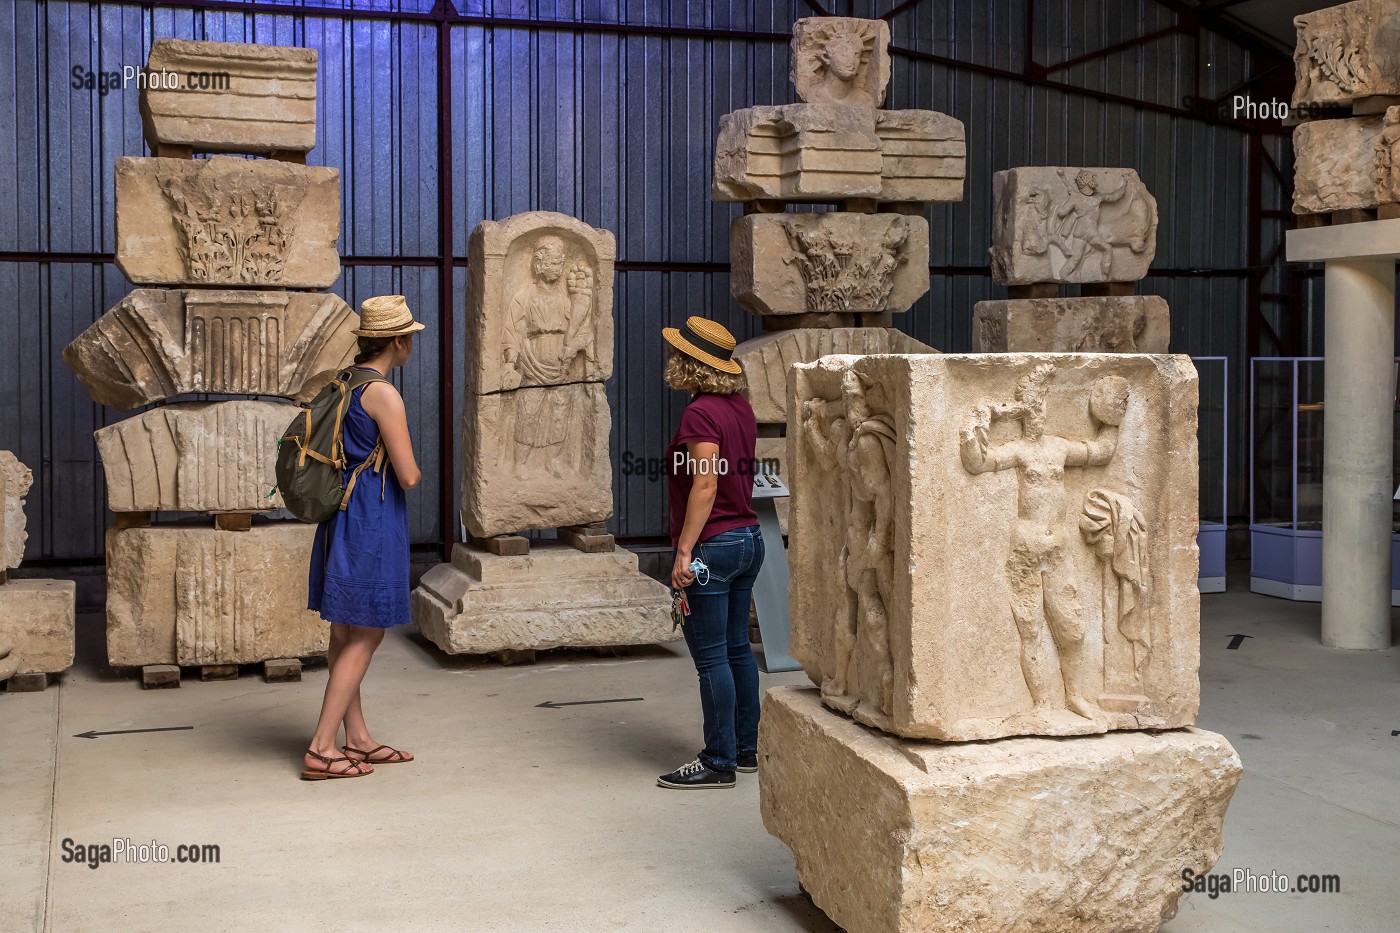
706	341
386	316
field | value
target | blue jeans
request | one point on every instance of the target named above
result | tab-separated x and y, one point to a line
717	633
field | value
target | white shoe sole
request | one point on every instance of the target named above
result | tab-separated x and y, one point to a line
661	783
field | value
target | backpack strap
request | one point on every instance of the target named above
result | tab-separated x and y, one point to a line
350	380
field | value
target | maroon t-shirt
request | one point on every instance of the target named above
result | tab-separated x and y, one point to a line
726	420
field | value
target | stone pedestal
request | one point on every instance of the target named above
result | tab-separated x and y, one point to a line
36	617
1117	324
1033	835
552	597
200	596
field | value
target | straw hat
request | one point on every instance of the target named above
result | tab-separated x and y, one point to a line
386	316
706	341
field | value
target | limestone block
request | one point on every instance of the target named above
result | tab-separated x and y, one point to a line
1347	53
190	595
995	545
227	221
1031	835
1071	225
821	152
263	97
767	358
15	480
1334	166
1387	158
1103	324
550	598
157	343
539	307
195	457
36	618
828	262
536	458
841	60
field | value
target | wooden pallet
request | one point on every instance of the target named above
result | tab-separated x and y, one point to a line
167	676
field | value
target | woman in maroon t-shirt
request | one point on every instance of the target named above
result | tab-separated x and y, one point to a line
718	546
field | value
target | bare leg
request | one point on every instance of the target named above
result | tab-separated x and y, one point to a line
352	659
354	715
1039	663
1066	620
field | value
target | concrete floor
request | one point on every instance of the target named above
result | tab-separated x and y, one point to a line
517	818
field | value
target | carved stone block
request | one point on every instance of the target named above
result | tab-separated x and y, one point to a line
194	596
1334	166
157	343
227	221
536	458
195	457
1032	835
767	358
841	60
230	96
817	152
828	262
1347	53
15	480
1121	324
540	302
36	619
550	598
1071	225
985	546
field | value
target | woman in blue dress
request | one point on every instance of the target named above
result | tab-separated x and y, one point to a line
359	563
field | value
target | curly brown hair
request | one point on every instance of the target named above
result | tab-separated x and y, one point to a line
688	374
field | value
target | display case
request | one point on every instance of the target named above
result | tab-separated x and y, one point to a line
1285	497
1212	432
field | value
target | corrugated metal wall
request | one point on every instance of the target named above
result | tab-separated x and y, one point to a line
613	124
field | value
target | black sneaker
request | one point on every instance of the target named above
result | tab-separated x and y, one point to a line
748	763
695	776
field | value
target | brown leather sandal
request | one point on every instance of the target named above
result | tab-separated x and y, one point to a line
395	756
355	770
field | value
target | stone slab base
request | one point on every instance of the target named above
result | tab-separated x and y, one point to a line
36	618
1097	324
1032	835
553	597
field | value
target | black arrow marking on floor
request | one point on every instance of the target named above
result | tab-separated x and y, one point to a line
550	704
1394	732
1236	641
92	735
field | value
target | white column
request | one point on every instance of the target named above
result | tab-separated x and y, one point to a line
1359	405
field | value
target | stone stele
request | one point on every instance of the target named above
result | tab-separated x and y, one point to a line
36	618
195	457
1071	225
1347	53
539	306
194	596
15	481
263	97
996	545
161	342
227	221
841	60
552	597
817	152
1334	167
767	358
835	262
1103	324
536	458
1031	835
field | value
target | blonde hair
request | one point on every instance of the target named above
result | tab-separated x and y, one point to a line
688	374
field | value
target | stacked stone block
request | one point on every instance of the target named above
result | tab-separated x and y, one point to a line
830	282
36	616
231	256
988	552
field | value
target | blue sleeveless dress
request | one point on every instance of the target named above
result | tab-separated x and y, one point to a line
359	562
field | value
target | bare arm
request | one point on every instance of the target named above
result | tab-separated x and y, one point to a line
383	403
1093	453
704	486
978	454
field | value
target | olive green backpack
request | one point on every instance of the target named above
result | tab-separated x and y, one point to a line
311	453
